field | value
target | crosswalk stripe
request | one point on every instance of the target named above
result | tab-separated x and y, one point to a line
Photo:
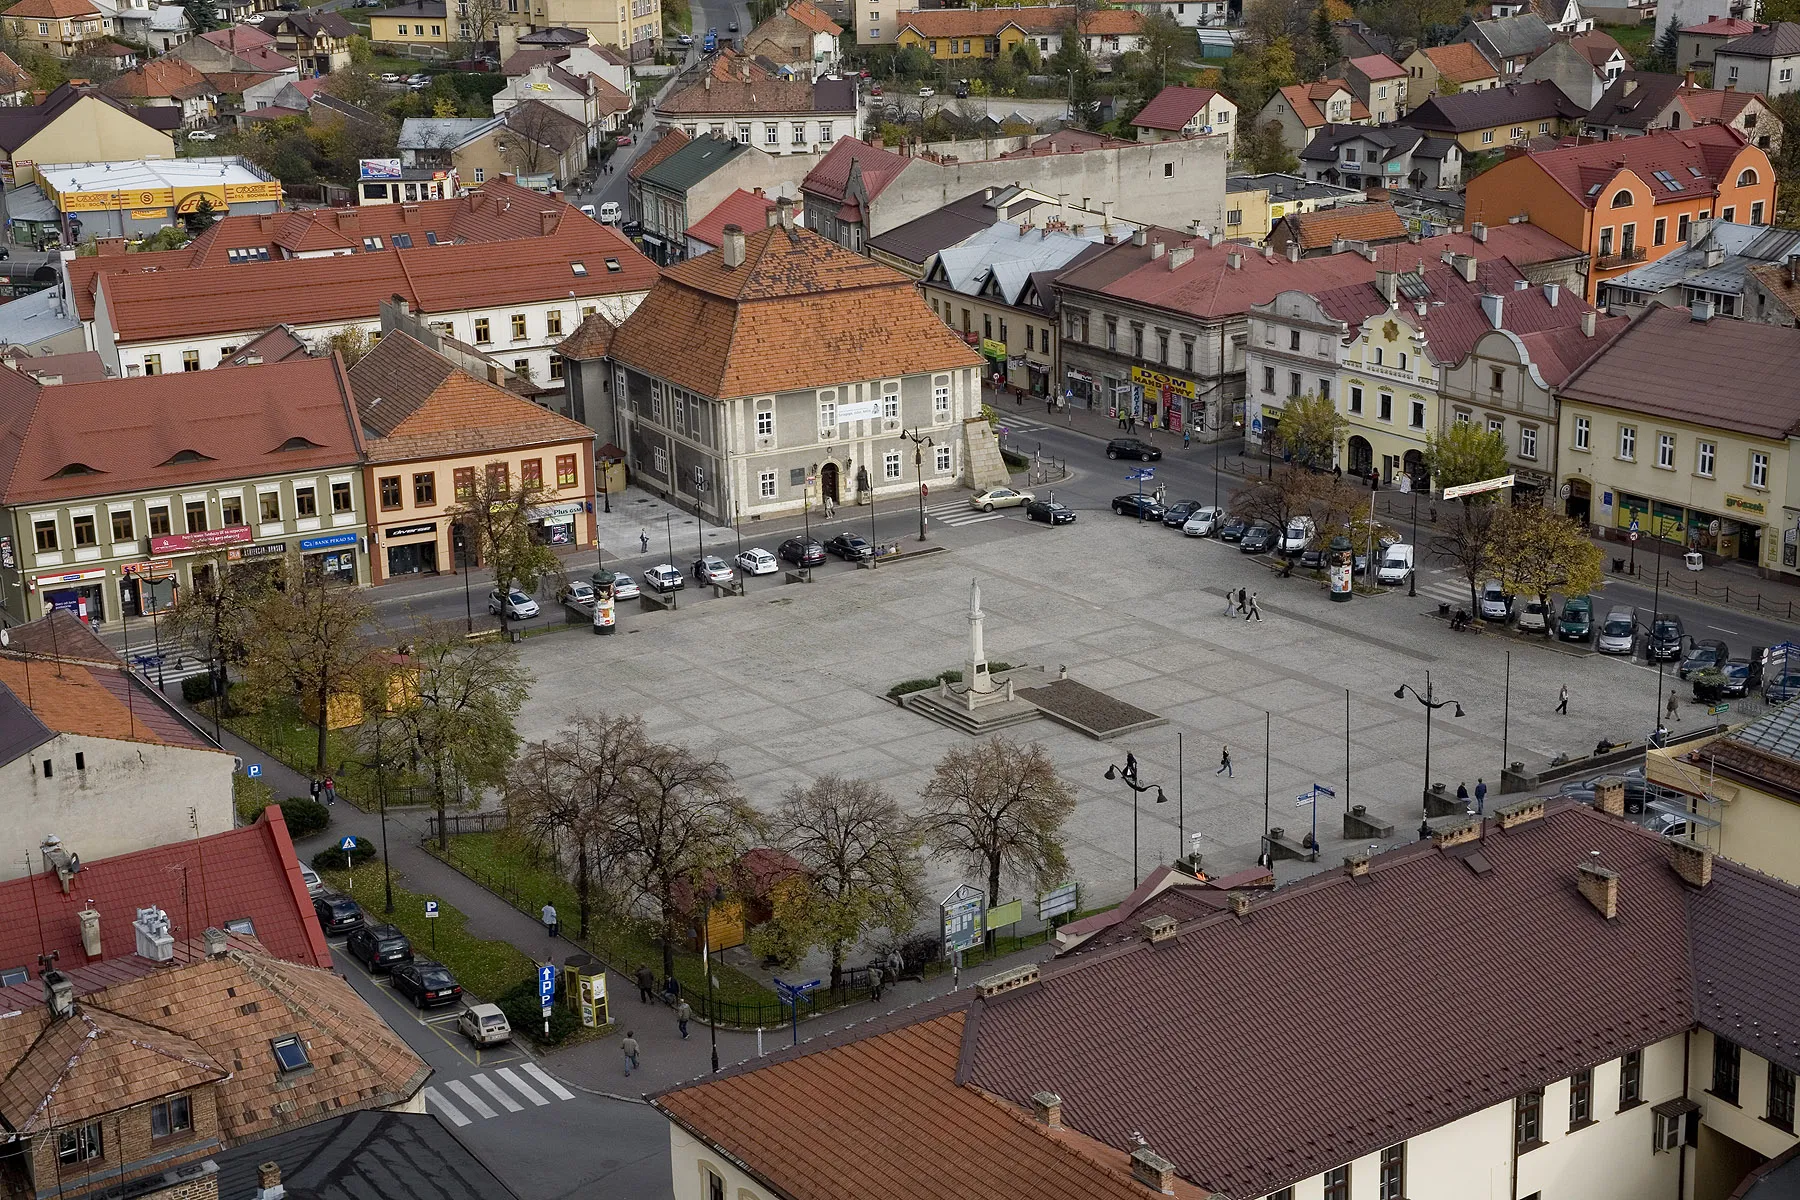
543	1077
468	1096
436	1099
497	1092
511	1076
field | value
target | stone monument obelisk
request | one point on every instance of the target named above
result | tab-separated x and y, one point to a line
976	680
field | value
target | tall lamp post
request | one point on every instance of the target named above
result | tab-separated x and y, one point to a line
919	443
1129	773
1412	577
712	1013
1429	699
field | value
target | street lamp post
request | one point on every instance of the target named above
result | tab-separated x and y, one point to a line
1432	704
1129	773
387	879
712	1013
919	443
874	556
1412	577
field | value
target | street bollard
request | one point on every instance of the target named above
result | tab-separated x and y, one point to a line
759	1049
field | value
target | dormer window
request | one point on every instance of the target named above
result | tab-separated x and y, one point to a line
74	469
298	443
185	456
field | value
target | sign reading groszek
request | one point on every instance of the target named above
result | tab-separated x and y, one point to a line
205	539
1745	504
1163	382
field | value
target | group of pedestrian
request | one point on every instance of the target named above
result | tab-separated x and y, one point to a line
1481	790
1242	603
324	791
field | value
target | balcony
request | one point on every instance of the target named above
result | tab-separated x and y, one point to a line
1621	258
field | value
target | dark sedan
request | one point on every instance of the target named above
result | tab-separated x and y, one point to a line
1702	656
426	983
1177	514
1132	448
848	546
1260	538
337	913
378	947
1233	529
1134	505
802	552
1726	681
1049	512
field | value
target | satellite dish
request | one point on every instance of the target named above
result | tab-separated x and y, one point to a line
5	638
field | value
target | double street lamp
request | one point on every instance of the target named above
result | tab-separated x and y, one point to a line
1129	773
919	443
1429	699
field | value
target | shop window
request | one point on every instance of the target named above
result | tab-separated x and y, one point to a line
498	476
565	471
268	507
425	488
45	532
390	491
306	502
122	523
483	331
231	510
518	327
341	501
196	516
85	532
463	483
531	472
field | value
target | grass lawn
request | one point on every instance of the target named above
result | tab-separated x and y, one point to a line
508	868
1635	40
677	17
280	731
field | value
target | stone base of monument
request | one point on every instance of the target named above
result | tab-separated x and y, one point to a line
950	705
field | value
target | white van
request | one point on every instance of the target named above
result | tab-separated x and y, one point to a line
1396	564
1299	535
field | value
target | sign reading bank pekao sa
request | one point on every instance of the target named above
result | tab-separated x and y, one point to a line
328	542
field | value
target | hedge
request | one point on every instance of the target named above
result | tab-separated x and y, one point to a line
332	857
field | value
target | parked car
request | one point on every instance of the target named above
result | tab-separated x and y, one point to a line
1133	505
202	135
802	552
1666	824
1233	529
310	877
1577	621
1396	564
576	591
1638	792
624	139
734	27
337	912
426	983
1312	559
874	89
1705	654
1496	604
1535	618
378	947
1726	681
664	578
587	210
1667	636
1618	633
610	212
684	39
1260	538
1203	521
926	93
849	546
962	89
712	569
1176	515
1779	689
514	605
988	499
1132	448
389	76
624	586
1299	533
757	561
484	1024
1049	512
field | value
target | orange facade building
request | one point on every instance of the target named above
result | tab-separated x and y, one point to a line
1629	201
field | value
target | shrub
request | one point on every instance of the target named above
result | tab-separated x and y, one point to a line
196	688
306	817
332	858
526	1015
953	675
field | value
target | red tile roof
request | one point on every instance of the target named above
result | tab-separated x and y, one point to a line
672	139
1174	107
250	872
172	430
1729	27
1378	66
1352	222
591	339
746	210
878	167
53	8
1460	62
1584	171
1709	105
813	17
160	78
1305	98
800	312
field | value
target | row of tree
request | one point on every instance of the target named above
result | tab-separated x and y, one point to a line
653	830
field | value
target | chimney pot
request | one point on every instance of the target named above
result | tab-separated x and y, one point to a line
1609	795
1465	266
784	211
733	249
1519	812
90	933
59	994
1600	887
1139	237
1153	1171
1702	310
1455	835
1356	865
1494	307
1388	284
1478	231
1007	981
268	1180
1214	237
1691	860
1156	249
1234	260
1047	1108
214	939
1240	904
1293	252
1551	292
1158	929
1590	321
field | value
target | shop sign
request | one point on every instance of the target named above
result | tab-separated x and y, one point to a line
72	577
262	551
1746	504
149	214
1078	374
993	349
176	543
1164	382
559	514
401	531
155	567
327	542
6	553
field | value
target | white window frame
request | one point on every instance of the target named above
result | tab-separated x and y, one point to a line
1583	430
1417	414
828	418
1759	469
1706	457
1628	443
890	465
661	462
1665	451
940	397
943	461
765	422
765	485
1528	442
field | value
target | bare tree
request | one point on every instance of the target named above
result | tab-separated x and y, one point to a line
1000	807
496	512
1467	544
218	613
1287	493
860	855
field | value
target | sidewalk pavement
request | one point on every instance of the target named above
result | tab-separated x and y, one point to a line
596	1066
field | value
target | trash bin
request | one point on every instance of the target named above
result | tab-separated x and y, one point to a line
1618	566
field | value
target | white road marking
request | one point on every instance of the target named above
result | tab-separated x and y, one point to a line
544	1079
511	1076
468	1096
493	1089
444	1107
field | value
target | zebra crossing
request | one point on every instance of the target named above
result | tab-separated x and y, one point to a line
494	1092
957	513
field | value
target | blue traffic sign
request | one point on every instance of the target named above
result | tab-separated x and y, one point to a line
347	845
254	771
546	981
431	909
1634	525
1256	425
1141	473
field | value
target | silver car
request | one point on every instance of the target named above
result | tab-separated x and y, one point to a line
1618	633
624	586
1203	522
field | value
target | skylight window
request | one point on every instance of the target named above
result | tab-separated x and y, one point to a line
578	267
371	243
1669	181
1695	172
242	254
290	1053
403	241
612	266
431	237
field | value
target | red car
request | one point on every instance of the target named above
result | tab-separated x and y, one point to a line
624	139
874	89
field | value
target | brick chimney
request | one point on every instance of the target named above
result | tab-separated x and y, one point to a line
784	212
1240	904
1153	1171
1609	795
348	220
1356	865
266	222
1047	1108
1519	812
1692	861
1158	929
1455	835
268	1182
733	249
109	247
547	218
1599	887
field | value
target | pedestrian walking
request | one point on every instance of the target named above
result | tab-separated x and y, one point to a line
1224	762
1230	601
331	785
1184	439
1674	707
1462	794
643	542
683	1014
1243	601
874	981
896	964
646	981
1480	795
1562	701
629	1045
317	787
550	923
1254	610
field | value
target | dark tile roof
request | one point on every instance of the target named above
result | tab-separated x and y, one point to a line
366	1156
1174	107
19	125
920	238
1512	104
1771	41
1635	99
1396	139
692	162
20	731
1666	358
1509	37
